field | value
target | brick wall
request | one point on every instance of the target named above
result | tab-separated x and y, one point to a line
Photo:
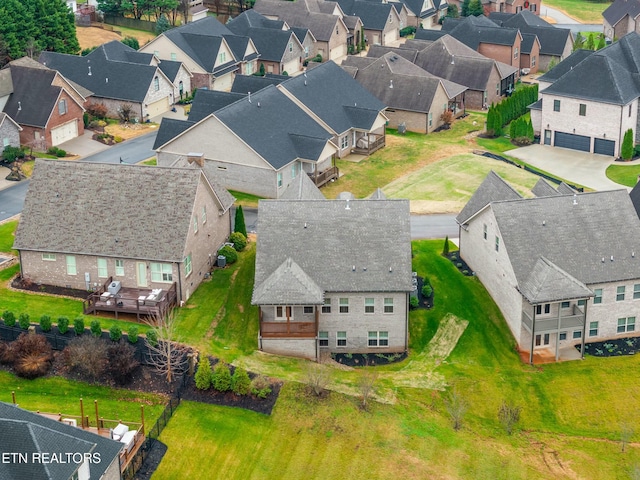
502	53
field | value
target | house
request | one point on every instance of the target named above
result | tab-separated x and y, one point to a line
380	21
118	76
196	11
302	188
487	80
257	144
425	13
341	105
507	6
620	18
211	52
147	228
253	83
596	100
280	49
414	97
43	102
556	44
555	288
41	446
9	131
353	299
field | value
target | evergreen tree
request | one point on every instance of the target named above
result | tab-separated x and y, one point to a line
452	11
475	8
601	43
626	151
240	382
131	42
590	45
203	375
464	8
445	249
239	225
162	25
578	43
262	69
530	132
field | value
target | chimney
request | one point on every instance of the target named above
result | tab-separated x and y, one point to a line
196	157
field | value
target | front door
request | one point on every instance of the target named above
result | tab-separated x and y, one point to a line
547	137
141	268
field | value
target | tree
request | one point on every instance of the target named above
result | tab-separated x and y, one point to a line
86	355
131	42
626	152
456	407
601	42
122	362
366	383
166	355
203	374
162	24
452	11
464	8
239	225
262	70
221	378
509	416
445	250
475	8
240	382
124	112
590	44
317	378
578	43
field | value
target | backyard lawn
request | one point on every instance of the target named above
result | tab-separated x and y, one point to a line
582	10
626	175
7	230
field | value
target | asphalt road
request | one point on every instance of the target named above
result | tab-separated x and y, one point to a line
564	21
12	199
132	151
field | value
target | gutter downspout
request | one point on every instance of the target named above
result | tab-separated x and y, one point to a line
619	150
179	284
20	260
584	330
533	330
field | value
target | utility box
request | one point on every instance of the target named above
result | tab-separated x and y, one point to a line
222	261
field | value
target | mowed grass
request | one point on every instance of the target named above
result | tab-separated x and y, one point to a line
7	231
245	199
582	10
626	175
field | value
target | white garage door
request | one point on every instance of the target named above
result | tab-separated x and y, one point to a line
223	83
292	67
158	108
64	133
338	52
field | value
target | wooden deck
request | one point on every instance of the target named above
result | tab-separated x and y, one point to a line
322	178
288	328
137	301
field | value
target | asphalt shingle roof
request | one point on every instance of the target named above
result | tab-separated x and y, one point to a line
33	97
552	39
371	235
566	65
549	283
621	8
543	189
170	68
224	197
376	51
492	188
374	15
169	129
472	31
288	285
302	188
208	101
253	83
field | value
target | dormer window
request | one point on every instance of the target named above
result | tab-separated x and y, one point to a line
222	57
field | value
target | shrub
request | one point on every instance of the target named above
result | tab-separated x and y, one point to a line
32	355
152	337
260	387
24	321
447	117
240	382
317	378
97	110
221	378
87	356
10	153
118	139
78	326
626	151
9	318
456	407
96	329
459	265
132	334
52	150
45	323
427	290
406	31
63	325
61	153
122	362
229	253
203	374
97	124
131	42
115	333
509	416
239	241
87	51
414	302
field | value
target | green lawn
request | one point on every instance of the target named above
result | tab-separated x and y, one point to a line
582	10
245	199
7	230
153	161
626	175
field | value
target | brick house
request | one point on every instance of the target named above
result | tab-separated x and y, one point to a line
555	290
9	131
621	17
79	226
425	13
380	21
312	301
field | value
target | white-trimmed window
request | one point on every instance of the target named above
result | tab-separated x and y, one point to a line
430	119
515	53
344	142
369	305
563	336
582	303
62	107
341	339
161	272
344	305
597	295
593	329
388	305
556	105
378	339
577	334
323	339
187	266
71	265
484	231
49	257
583	109
620	293
291	46
636	291
119	268
279	179
547	308
195	224
283	312
204	214
306	52
326	306
5	142
497	89
533	61
294	170
103	272
156	83
390	19
174	56
565	305
222	57
626	324
307	309
249	68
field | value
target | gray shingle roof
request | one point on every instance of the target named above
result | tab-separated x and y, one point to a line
6	84
376	51
377	195
371	235
239	46
415	7
253	83
472	31
110	210
208	101
225	199
374	15
335	97
170	68
537	105
634	194
302	188
287	285
565	189
565	66
620	9
33	97
528	40
29	432
169	129
430	35
4	117
492	188
271	43
543	189
250	19
549	283
552	39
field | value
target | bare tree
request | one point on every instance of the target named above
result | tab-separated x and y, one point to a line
124	112
317	377
509	416
166	355
366	383
456	407
32	48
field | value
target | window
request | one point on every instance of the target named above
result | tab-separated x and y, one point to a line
497	244
119	268
515	53
293	170
620	293
291	46
326	306
156	83
156	53
430	119
222	57
279	312
538	309
249	68
497	89
583	109
337	30
565	304
626	324
344	142
307	309
556	105
547	307
563	336
582	303
341	339
71	265
306	52
174	57
484	97
369	305
323	339
533	61
187	266
102	268
636	291
49	257
5	142
593	329
203	217
484	231
388	305
62	107
378	339
279	179
597	295
195	224
390	19
577	334
344	305
161	272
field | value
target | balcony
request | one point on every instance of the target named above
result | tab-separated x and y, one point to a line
288	328
324	177
544	324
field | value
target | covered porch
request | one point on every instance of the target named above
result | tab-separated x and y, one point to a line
366	143
288	321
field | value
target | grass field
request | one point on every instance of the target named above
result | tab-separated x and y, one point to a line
7	230
626	175
582	10
560	435
245	199
93	36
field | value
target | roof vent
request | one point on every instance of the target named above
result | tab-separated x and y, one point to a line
633	254
106	80
19	106
347	207
364	269
575	199
544	222
390	83
258	104
453	60
390	269
305	224
305	83
353	269
249	96
89	71
612	258
602	259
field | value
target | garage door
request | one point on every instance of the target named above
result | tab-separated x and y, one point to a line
158	108
575	142
64	133
338	52
604	147
292	67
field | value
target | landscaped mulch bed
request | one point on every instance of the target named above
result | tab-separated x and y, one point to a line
424	301
21	284
612	348
460	264
368	360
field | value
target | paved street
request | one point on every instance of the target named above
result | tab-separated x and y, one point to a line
564	21
132	151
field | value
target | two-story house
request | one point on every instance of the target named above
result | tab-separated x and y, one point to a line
621	17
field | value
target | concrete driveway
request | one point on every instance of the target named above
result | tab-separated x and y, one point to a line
83	145
586	169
